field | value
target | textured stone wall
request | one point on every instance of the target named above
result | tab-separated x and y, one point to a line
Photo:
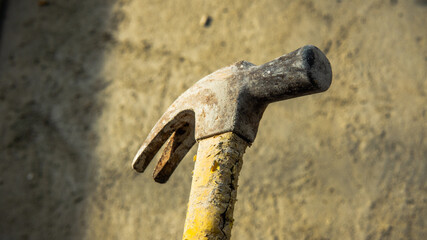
83	82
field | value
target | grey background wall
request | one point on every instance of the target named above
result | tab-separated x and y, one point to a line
83	82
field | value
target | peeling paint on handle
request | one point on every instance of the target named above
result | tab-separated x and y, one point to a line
213	193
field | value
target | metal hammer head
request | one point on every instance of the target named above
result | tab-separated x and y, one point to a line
231	99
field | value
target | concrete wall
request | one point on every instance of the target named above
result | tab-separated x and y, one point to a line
83	82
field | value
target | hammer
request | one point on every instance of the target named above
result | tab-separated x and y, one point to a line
222	112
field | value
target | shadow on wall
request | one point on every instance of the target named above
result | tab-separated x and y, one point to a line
421	2
3	7
51	55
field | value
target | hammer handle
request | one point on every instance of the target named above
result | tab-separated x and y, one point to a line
214	187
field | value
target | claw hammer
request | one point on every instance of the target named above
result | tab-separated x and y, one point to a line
222	113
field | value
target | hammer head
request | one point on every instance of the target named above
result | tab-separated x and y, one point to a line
231	99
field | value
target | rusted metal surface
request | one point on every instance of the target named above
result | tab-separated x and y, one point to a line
177	146
233	99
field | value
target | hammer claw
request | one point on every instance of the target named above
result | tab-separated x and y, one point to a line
176	148
181	126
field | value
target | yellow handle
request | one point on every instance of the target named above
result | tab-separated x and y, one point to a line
214	187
